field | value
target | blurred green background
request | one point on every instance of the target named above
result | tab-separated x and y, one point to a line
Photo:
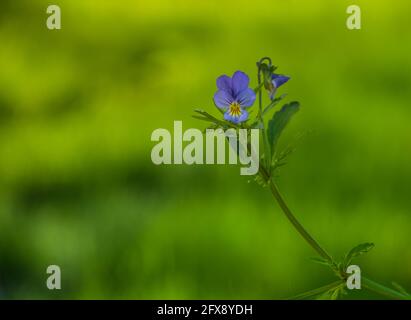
78	188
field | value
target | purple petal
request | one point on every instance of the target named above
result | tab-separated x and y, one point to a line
234	119
224	83
279	79
246	97
244	116
222	99
240	82
229	117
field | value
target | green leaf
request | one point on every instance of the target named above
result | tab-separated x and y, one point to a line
257	125
333	293
278	123
400	288
357	251
260	180
316	292
280	158
336	294
320	261
205	116
272	104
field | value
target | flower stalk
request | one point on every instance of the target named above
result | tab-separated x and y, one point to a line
297	225
267	151
232	99
367	283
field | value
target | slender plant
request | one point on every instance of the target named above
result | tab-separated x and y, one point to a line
233	99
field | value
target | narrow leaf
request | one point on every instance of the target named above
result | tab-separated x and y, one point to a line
316	292
320	261
357	251
400	288
336	294
205	116
273	104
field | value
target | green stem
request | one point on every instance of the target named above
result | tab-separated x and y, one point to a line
297	225
369	284
259	87
260	97
383	290
267	151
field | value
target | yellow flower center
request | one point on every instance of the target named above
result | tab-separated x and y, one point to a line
235	109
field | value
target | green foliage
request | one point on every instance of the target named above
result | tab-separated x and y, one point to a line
356	252
272	104
205	116
279	159
77	108
269	161
400	289
340	267
278	123
320	260
333	293
324	292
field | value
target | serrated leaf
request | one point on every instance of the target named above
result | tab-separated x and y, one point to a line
278	123
357	251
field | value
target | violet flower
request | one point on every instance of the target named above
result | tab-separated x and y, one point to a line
277	80
233	96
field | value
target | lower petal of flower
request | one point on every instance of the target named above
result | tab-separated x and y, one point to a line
235	113
234	109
